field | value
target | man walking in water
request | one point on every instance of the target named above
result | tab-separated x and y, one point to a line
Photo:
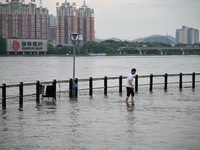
130	83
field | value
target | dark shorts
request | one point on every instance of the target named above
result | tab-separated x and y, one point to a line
130	91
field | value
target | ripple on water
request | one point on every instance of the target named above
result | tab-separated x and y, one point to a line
157	121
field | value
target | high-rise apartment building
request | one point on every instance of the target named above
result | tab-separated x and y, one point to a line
85	23
70	19
187	35
193	36
66	22
52	34
52	29
23	21
52	20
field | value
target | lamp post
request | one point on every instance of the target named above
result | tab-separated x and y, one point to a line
74	38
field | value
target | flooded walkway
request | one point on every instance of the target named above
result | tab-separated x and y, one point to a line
159	120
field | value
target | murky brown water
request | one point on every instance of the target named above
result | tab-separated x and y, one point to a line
159	120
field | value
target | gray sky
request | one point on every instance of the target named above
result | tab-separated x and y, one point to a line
131	19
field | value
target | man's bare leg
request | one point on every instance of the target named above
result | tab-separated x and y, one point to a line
132	99
127	99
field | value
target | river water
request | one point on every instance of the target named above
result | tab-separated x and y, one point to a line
159	120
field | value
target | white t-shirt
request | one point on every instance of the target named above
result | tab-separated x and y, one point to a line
130	78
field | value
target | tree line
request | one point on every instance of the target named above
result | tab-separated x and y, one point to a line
109	47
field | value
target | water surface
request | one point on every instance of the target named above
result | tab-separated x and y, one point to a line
159	120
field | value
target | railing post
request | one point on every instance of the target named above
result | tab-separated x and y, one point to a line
90	86
76	89
120	84
21	96
136	83
105	85
70	88
54	84
180	81
193	80
165	86
4	96
151	83
38	91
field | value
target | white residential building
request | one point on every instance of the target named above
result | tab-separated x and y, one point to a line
187	35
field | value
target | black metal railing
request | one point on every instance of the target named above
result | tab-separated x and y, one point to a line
38	85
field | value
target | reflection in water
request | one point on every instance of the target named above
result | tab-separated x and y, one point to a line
105	123
130	107
130	129
48	107
42	105
3	112
74	110
100	122
74	124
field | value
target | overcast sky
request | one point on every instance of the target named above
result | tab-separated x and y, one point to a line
131	19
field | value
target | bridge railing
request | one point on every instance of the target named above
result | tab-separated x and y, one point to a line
163	50
22	90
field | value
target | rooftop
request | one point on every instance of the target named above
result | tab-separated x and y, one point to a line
66	3
84	4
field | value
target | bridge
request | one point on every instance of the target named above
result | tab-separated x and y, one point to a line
163	50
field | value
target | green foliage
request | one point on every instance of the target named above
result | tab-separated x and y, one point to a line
51	49
109	47
180	45
196	44
61	50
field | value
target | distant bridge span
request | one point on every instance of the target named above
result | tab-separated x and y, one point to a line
163	50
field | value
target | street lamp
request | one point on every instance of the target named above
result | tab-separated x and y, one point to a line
74	38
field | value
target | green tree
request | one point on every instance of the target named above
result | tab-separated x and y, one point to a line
66	50
111	47
180	45
51	49
90	47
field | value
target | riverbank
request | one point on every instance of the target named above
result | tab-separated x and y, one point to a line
87	55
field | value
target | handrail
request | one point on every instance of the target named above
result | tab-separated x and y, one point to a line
38	85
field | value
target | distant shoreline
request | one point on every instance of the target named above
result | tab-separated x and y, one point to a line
87	55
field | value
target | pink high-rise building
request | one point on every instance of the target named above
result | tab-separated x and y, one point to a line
66	22
70	19
23	21
85	23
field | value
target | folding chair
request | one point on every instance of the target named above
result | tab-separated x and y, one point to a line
50	91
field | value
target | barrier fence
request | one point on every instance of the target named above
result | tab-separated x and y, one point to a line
39	86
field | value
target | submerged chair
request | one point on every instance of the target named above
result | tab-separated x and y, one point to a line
50	91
